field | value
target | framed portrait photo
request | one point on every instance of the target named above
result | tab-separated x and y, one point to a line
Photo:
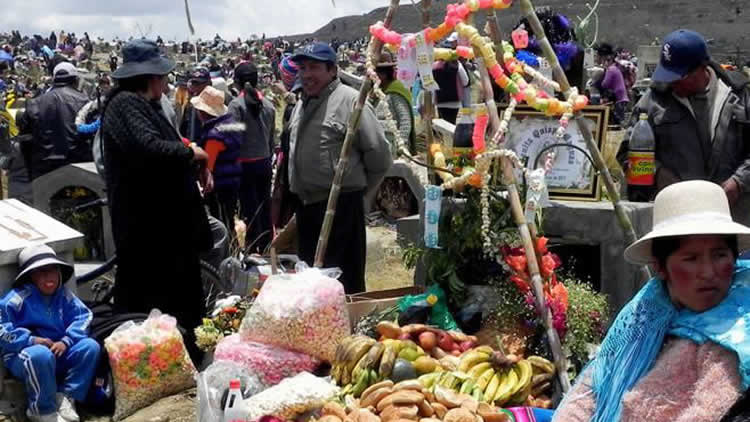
572	175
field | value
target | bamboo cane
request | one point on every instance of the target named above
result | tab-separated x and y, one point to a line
428	105
561	362
325	232
527	8
527	231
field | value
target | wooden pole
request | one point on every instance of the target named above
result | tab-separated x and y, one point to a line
325	232
527	8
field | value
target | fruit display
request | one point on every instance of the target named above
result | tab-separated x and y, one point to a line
410	401
490	377
440	361
360	362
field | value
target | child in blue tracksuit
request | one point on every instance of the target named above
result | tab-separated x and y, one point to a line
44	337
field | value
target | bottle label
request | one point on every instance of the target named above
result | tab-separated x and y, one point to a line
642	168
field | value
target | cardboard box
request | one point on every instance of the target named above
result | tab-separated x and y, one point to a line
361	304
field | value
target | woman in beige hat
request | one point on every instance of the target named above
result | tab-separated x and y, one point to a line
680	350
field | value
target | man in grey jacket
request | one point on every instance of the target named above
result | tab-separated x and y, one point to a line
317	129
700	115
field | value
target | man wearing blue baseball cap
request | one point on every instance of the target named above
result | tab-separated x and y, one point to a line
317	129
700	117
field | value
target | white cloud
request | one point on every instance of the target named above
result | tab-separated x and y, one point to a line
125	18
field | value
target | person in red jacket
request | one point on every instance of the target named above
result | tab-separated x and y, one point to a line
221	137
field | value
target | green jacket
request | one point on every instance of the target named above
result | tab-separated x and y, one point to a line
397	88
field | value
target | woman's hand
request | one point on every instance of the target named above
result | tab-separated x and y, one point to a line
207	180
199	154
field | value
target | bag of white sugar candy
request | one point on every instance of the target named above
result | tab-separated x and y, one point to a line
293	397
305	312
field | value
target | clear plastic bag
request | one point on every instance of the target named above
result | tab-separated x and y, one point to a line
213	385
269	363
293	397
149	362
305	312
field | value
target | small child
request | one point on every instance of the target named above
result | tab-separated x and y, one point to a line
44	337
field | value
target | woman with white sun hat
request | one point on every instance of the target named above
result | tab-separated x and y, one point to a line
679	350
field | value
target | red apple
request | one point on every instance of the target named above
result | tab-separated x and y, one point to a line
466	345
428	340
446	342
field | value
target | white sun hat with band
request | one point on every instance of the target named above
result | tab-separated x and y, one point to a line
689	208
37	256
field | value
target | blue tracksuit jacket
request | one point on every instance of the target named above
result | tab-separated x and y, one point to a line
25	313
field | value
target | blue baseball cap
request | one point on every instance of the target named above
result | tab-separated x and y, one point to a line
319	51
682	52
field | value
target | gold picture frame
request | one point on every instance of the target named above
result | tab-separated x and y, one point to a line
573	176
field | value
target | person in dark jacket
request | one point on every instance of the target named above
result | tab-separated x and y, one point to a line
159	223
700	115
222	139
190	126
259	117
52	116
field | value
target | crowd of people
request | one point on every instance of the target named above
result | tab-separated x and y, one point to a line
253	132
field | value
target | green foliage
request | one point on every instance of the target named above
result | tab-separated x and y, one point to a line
461	258
588	315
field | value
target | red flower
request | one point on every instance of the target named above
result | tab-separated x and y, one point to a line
517	262
541	245
522	284
230	310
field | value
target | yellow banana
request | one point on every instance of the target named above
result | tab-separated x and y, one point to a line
543	364
362	383
478	370
526	372
518	386
487	350
428	380
387	361
372	358
448	381
485	378
396	345
489	392
503	392
472	359
467	387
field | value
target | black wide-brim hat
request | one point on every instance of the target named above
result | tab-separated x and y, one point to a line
142	57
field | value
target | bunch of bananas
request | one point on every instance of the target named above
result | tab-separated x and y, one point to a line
479	377
360	361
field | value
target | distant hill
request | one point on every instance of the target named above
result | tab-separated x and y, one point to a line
624	23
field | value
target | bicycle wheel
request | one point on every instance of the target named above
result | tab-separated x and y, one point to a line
213	285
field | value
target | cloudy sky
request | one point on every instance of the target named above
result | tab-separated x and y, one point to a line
124	18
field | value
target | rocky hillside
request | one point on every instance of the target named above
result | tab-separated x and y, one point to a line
626	23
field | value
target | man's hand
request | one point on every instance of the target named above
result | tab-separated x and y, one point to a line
732	189
58	348
43	341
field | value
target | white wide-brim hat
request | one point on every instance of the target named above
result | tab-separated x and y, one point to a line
211	101
37	256
689	208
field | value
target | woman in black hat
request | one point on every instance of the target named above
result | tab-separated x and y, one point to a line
158	221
